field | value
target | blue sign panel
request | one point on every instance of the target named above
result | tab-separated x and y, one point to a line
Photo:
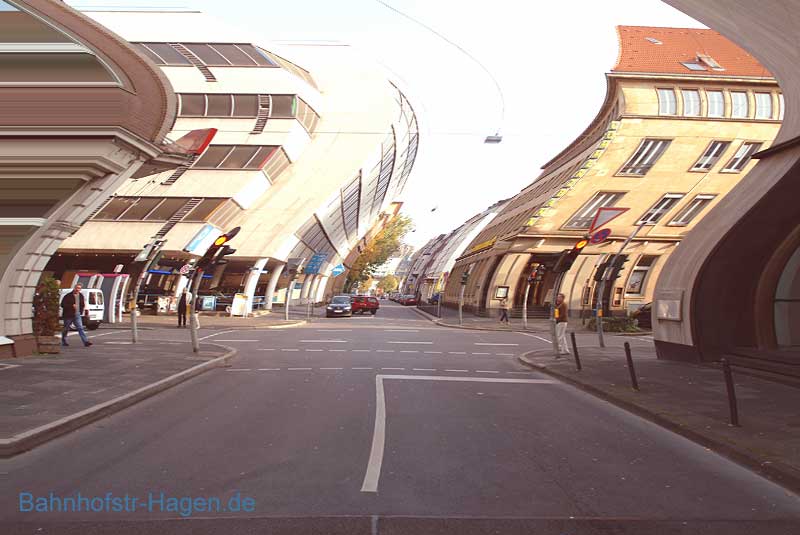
312	268
338	270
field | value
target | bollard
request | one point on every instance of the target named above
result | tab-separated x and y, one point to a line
734	410
575	352
634	382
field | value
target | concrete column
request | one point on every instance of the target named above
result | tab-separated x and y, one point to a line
273	282
182	283
308	281
252	281
312	294
321	287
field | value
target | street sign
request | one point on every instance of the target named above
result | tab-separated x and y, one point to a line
312	268
604	215
201	241
600	236
185	269
338	270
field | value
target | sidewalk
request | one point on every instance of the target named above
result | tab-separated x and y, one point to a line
691	400
46	396
450	319
274	320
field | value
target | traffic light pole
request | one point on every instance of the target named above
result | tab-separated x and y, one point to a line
157	245
525	305
193	320
289	292
461	304
556	291
602	289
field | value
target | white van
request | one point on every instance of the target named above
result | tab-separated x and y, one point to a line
95	306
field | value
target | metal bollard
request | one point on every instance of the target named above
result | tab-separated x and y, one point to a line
634	381
734	410
575	352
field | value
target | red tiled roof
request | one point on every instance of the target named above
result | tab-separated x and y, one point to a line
638	54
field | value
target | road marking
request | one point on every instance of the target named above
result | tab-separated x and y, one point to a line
360	350
400	369
266	349
331	368
542	339
409	351
486	371
313	350
460	371
238	370
337	350
522	373
375	462
9	366
493	344
433	352
290	350
123	343
401	330
215	334
360	368
424	369
384	350
221	340
299	369
324	341
505	354
480	353
401	342
334	330
269	369
457	352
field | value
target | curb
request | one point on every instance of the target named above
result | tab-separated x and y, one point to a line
768	469
437	321
37	436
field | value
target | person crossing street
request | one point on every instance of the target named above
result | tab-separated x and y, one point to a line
562	317
72	308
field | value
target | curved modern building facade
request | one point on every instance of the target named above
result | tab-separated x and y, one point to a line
308	153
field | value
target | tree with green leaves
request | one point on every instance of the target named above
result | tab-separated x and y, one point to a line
385	244
388	284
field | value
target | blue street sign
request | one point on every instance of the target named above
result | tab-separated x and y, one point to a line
312	268
338	270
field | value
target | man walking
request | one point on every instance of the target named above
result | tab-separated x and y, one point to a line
561	314
72	307
182	302
504	310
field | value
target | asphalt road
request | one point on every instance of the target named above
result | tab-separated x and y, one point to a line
385	424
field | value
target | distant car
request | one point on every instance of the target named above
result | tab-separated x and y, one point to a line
340	305
644	317
407	300
363	304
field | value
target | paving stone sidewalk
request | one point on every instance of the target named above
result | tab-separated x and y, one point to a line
692	400
36	392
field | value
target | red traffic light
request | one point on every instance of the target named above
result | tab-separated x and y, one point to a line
581	244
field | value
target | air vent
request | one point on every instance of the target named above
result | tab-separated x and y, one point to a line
197	62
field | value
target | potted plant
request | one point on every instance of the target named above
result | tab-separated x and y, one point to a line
46	304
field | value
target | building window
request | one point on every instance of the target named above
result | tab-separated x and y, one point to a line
212	55
716	103
217	105
742	157
667	103
780	106
693	66
143	206
637	282
763	106
166	209
691	102
657	211
691	210
234	157
740	107
307	116
203	211
583	217
163	54
711	155
283	107
115	208
645	157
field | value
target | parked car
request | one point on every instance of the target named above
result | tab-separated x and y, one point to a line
363	304
95	310
644	317
340	305
407	300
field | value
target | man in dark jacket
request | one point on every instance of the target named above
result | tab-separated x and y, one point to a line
72	307
182	302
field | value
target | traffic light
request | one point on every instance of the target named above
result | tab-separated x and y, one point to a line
210	258
600	271
224	251
617	264
464	278
568	257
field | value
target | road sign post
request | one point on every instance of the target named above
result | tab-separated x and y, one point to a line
148	255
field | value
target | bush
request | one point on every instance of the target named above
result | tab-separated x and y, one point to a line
615	324
45	307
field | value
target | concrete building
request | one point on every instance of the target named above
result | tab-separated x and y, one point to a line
308	154
81	112
685	111
733	286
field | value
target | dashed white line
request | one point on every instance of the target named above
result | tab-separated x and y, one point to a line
324	341
269	369
360	350
393	368
334	330
505	354
457	352
424	369
480	353
486	371
231	340
521	373
314	350
331	368
360	368
266	349
290	350
433	352
336	350
409	351
461	371
402	342
384	350
493	344
299	369
238	370
401	331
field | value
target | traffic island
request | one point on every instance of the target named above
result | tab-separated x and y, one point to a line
44	397
692	400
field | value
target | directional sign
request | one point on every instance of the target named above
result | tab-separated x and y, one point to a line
338	270
604	215
186	268
600	236
315	263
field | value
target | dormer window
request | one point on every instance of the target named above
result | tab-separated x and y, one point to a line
693	66
709	61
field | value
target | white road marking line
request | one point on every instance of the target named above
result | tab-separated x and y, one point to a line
409	351
9	366
393	368
433	352
299	369
360	350
269	369
360	368
457	352
402	342
334	330
542	339
460	371
331	368
486	371
290	350
336	350
493	344
384	350
123	343
324	341
401	330
424	369
375	462
522	373
314	350
238	370
266	349
216	334
480	353
505	354
221	340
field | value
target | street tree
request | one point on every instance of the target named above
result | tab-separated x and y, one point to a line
385	243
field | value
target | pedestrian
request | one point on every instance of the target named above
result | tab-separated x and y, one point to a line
561	314
182	302
72	307
504	310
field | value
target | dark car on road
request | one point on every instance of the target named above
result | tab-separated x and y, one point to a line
363	304
644	317
340	305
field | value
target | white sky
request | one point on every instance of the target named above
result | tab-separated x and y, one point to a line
548	57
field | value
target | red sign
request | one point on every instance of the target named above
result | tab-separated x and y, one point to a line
600	236
604	215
